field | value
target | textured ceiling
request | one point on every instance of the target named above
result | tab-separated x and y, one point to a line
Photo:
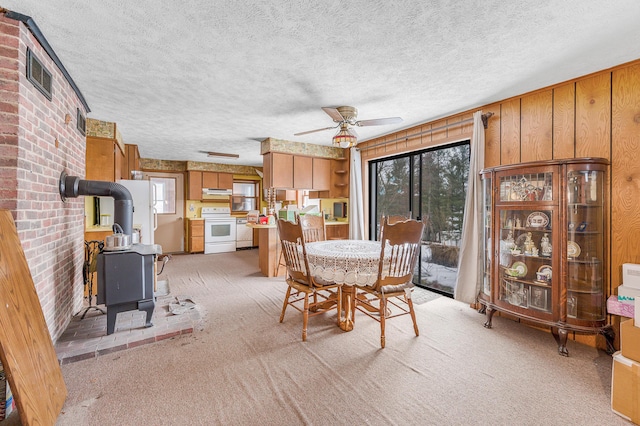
211	75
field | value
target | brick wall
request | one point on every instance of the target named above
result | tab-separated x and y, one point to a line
36	145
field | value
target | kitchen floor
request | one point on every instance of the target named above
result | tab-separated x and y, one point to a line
87	338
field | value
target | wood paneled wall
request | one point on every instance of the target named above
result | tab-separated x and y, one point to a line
593	116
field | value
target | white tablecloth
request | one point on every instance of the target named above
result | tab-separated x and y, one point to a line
347	262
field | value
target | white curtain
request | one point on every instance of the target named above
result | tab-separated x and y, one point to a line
356	203
470	261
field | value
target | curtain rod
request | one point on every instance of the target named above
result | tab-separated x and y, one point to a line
485	121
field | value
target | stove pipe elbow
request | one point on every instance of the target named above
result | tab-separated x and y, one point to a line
73	186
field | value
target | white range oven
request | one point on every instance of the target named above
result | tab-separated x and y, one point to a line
219	230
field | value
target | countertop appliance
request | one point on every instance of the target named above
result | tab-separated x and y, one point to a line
219	230
144	216
244	234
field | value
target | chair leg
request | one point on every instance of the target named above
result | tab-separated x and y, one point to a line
286	302
339	304
383	312
305	317
413	316
278	264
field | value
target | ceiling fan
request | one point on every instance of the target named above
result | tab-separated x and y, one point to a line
346	117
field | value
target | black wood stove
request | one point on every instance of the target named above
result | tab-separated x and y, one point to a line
126	280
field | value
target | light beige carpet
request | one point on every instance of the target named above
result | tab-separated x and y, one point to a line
244	368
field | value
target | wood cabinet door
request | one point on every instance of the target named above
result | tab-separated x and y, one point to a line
302	172
132	160
337	232
100	159
210	180
225	180
195	185
321	174
281	168
119	163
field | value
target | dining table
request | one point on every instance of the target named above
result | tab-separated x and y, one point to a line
350	263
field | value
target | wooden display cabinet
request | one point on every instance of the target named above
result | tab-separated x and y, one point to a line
544	245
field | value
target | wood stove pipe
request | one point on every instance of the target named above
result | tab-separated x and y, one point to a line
73	186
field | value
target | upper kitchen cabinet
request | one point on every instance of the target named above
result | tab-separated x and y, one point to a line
132	160
105	155
217	180
197	180
321	174
278	170
288	171
338	186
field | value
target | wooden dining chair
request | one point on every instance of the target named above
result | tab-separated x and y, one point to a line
313	229
300	280
391	293
391	219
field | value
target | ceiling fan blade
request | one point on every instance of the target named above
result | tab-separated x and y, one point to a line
378	121
334	114
313	131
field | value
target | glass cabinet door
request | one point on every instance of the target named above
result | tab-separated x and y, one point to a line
585	245
486	220
526	265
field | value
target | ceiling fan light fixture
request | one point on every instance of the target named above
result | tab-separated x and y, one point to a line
344	138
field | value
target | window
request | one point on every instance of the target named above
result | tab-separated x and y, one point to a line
164	194
430	186
38	75
245	196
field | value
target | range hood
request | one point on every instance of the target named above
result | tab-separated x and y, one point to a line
213	191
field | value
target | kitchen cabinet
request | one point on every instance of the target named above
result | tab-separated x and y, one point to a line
132	160
544	245
338	180
302	172
194	185
196	180
278	170
104	159
337	231
288	171
321	174
217	180
195	236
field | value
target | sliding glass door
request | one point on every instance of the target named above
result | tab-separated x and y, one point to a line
430	186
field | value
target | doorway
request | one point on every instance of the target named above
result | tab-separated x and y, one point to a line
431	186
168	197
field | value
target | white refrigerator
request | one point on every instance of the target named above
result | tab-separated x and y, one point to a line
144	217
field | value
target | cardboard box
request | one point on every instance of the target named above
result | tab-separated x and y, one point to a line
628	294
614	307
630	340
631	275
625	388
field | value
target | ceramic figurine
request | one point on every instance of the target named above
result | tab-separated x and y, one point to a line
545	245
529	245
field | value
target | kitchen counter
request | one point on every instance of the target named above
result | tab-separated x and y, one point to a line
98	229
334	222
258	226
267	249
